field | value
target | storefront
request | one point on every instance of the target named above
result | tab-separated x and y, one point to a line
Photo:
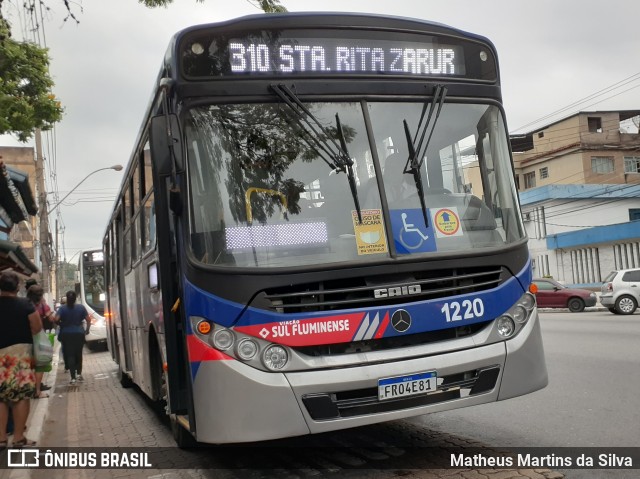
16	205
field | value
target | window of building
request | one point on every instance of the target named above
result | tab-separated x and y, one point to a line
626	255
595	124
632	164
530	180
541	134
544	173
602	164
585	265
634	214
518	181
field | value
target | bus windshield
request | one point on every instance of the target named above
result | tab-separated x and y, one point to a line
93	285
266	189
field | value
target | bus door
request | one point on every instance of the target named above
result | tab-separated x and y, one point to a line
123	335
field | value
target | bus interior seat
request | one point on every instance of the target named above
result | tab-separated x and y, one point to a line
477	215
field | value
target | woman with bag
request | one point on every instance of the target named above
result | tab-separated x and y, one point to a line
71	317
35	294
18	323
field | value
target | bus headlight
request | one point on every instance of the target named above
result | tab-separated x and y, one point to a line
520	314
505	327
247	349
223	339
275	357
528	300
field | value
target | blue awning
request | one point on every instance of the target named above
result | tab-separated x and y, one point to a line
16	199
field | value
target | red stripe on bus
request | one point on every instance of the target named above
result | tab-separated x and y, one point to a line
199	351
383	326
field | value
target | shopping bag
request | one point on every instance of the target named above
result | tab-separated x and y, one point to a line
42	349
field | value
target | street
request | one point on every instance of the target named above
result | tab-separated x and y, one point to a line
591	401
593	391
592	396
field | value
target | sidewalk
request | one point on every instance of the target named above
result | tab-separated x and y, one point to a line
38	414
99	413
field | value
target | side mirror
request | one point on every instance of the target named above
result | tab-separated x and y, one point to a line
165	143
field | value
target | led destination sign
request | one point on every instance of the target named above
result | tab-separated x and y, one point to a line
334	52
352	57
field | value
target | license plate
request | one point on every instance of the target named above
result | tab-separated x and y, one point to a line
403	386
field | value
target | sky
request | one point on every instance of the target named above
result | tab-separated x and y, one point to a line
553	54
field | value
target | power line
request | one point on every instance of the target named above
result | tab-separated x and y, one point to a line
614	86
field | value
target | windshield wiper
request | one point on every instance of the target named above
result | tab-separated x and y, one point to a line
321	140
417	152
349	166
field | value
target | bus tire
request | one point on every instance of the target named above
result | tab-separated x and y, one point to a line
125	381
183	438
159	380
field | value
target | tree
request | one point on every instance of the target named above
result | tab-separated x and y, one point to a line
26	101
267	6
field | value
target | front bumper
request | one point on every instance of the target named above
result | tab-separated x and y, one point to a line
237	403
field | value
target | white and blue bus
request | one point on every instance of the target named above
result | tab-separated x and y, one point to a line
319	229
91	292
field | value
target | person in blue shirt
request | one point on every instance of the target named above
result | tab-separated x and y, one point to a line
72	319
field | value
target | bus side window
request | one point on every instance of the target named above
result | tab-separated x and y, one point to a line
148	207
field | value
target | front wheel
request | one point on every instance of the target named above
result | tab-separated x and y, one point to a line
125	381
183	438
576	305
626	305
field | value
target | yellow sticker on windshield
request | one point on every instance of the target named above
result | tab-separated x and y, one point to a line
370	238
446	222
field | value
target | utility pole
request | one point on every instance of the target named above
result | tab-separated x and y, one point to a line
57	272
45	257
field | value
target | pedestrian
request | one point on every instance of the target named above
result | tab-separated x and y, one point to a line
63	301
18	323
35	294
71	317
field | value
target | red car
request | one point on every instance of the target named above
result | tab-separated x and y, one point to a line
552	294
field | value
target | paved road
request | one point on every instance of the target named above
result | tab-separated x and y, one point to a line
593	397
99	413
591	401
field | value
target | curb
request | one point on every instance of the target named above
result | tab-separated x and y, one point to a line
565	310
38	414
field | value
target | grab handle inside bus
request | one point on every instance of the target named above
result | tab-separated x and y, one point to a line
166	148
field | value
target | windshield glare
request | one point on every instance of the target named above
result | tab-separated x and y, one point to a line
266	191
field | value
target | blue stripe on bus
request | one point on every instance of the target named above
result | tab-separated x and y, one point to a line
428	315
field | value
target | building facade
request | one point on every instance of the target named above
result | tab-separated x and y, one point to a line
579	183
19	228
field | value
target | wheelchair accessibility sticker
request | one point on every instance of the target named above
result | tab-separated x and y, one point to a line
410	234
446	222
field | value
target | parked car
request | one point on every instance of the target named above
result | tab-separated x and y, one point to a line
552	294
620	292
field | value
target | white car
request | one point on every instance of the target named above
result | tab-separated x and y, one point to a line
97	337
620	292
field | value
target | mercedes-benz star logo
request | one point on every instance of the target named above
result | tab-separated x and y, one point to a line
401	320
